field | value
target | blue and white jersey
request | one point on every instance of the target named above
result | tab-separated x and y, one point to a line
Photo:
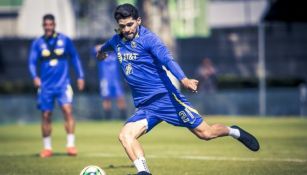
142	60
53	55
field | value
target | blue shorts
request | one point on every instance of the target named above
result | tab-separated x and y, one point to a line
169	107
47	97
110	90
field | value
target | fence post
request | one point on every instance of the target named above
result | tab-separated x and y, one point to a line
303	99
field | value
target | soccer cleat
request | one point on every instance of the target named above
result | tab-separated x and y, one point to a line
45	153
143	173
247	139
71	151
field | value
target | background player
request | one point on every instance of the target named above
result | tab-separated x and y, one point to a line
142	55
51	53
110	85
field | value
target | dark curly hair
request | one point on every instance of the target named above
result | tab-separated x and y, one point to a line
125	11
48	17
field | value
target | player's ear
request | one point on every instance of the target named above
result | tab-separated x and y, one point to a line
139	21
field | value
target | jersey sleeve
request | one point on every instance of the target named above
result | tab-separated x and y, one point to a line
75	59
109	45
161	52
33	57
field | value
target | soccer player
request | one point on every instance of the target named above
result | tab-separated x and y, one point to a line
142	56
52	53
110	85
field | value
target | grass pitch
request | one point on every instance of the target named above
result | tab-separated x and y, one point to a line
169	150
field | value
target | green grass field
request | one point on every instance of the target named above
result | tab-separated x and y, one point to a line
169	150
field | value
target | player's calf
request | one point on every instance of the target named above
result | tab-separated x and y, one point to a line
125	139
206	132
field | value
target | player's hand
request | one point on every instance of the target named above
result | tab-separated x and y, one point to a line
100	55
37	82
190	84
97	47
80	84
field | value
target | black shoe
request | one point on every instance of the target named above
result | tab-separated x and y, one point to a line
247	139
143	173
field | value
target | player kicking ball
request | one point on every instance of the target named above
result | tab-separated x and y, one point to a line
52	52
142	56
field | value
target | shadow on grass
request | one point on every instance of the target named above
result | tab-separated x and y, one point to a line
118	166
111	166
55	154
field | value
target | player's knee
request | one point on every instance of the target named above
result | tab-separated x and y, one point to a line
67	110
46	116
67	114
69	118
125	138
121	137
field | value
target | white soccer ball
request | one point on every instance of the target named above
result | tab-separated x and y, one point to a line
92	170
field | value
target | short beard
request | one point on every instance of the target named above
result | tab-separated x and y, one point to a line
52	33
134	34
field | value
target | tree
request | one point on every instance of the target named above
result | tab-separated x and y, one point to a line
155	16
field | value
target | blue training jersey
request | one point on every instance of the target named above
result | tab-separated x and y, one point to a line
142	60
53	56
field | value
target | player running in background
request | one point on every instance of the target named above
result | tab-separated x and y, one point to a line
52	53
110	85
142	55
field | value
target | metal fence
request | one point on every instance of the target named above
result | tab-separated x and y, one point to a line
233	51
280	102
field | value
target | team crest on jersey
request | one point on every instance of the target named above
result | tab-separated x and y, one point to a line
128	69
133	44
60	42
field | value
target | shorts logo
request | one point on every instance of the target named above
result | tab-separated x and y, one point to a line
183	116
186	116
